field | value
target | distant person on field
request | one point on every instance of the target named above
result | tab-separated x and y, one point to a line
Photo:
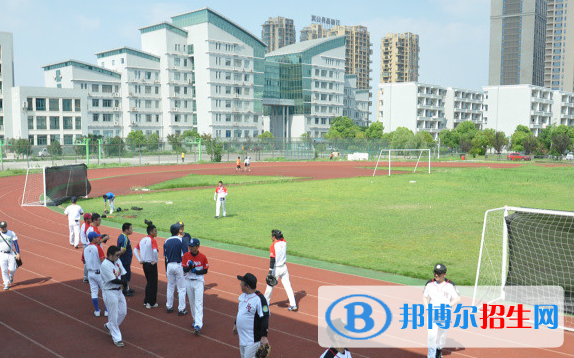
238	167
437	291
74	213
182	157
331	156
109	197
247	164
219	197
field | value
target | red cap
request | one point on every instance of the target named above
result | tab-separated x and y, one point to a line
87	216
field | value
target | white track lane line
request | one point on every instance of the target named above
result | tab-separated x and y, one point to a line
31	340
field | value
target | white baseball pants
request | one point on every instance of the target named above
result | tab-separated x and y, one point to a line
249	350
8	267
96	283
195	296
433	345
218	203
117	310
175	277
75	234
282	273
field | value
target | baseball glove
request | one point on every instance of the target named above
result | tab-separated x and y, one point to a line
271	280
263	351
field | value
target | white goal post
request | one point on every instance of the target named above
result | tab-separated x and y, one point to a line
35	187
419	153
526	247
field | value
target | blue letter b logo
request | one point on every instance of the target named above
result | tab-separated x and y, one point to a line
353	316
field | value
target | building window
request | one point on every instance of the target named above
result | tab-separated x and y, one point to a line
148	75
77	105
228	76
54	122
30	122
95	88
54	138
95	117
228	133
67	105
157	90
41	122
147	89
107	103
107	88
68	139
42	140
68	123
106	117
95	102
40	104
176	76
54	104
177	62
78	122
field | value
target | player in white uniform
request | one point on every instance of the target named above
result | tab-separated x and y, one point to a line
9	252
439	291
219	197
74	213
252	322
195	266
112	270
84	238
278	268
93	257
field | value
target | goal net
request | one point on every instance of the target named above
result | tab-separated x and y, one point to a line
55	185
526	247
418	158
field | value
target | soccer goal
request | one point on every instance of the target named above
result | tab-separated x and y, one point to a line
526	247
55	185
401	154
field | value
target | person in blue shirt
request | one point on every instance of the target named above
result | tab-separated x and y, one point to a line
109	197
125	246
185	237
173	251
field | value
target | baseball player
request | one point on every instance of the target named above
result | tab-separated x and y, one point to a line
247	164
185	237
173	251
278	267
9	253
195	266
149	258
84	238
336	353
437	291
252	322
125	246
219	197
74	213
95	227
112	271
238	167
109	197
92	257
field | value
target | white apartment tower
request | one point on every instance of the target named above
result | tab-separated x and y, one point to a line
6	82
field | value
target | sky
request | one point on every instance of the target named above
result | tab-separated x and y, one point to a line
453	34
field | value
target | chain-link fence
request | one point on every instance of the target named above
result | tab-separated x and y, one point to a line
21	155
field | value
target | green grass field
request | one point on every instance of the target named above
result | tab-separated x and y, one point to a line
383	223
195	180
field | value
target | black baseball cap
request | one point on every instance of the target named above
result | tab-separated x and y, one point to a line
174	229
193	242
3	224
439	268
249	279
73	199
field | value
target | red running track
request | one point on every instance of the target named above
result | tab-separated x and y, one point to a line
48	311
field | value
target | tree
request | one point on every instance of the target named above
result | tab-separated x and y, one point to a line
375	130
490	133
530	144
213	147
114	146
449	138
152	142
343	127
22	147
519	135
522	128
55	148
466	128
191	134
422	140
561	143
545	136
135	139
175	141
266	135
480	143
401	137
499	141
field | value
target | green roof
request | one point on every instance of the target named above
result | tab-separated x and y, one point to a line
83	65
208	15
128	50
306	50
163	26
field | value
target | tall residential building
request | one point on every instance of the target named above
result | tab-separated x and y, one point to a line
6	82
400	58
358	52
517	42
559	61
278	32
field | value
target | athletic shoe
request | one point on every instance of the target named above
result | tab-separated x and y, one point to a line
76	247
147	305
131	290
292	308
155	306
107	329
128	293
6	287
105	313
438	353
97	313
182	313
217	217
119	343
196	330
169	310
